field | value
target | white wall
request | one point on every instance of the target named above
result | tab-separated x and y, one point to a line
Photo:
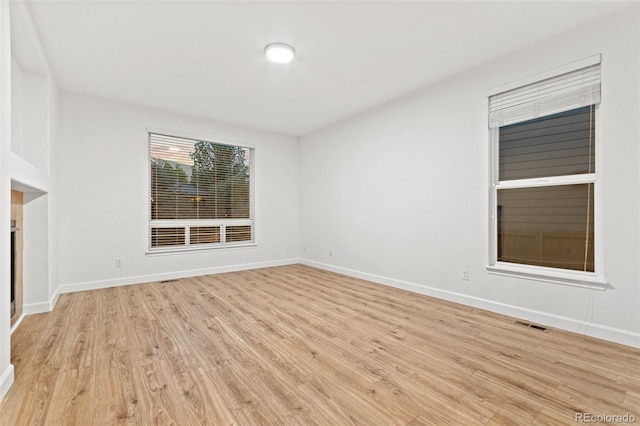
16	107
40	212
103	192
35	120
400	193
33	102
36	253
53	231
30	107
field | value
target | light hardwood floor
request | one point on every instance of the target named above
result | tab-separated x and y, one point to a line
295	345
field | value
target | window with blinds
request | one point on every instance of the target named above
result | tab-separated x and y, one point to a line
201	193
544	180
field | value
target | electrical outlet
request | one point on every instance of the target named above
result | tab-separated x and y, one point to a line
465	274
118	262
330	252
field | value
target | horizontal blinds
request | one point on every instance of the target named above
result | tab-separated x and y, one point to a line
563	92
204	234
199	191
193	179
556	145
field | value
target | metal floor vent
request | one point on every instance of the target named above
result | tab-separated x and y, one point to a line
528	324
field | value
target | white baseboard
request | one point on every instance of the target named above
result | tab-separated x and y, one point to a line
17	323
54	299
6	380
37	308
40	307
599	331
94	285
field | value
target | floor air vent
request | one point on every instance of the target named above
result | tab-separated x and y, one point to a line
528	324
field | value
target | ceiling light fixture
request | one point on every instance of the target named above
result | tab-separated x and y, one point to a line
280	53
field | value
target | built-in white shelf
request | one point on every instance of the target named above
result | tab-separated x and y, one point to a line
25	177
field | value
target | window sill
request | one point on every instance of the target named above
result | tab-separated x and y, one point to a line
551	275
184	250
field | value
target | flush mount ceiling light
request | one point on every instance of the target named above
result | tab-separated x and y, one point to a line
280	53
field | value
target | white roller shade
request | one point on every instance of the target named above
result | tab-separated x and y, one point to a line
563	92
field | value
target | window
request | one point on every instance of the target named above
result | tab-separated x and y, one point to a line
544	191
200	194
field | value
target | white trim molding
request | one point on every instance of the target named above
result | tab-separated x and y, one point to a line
40	307
550	275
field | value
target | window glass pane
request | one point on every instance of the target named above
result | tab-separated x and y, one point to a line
198	179
162	237
556	145
204	234
547	226
238	233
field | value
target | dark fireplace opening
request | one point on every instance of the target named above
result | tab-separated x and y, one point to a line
13	268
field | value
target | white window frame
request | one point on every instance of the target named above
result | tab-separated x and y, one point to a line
591	280
186	224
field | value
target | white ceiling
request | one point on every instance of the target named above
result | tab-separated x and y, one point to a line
206	59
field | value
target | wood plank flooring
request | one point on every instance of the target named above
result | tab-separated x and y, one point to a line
294	345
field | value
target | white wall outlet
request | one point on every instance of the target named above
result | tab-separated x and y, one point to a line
465	274
118	262
330	252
